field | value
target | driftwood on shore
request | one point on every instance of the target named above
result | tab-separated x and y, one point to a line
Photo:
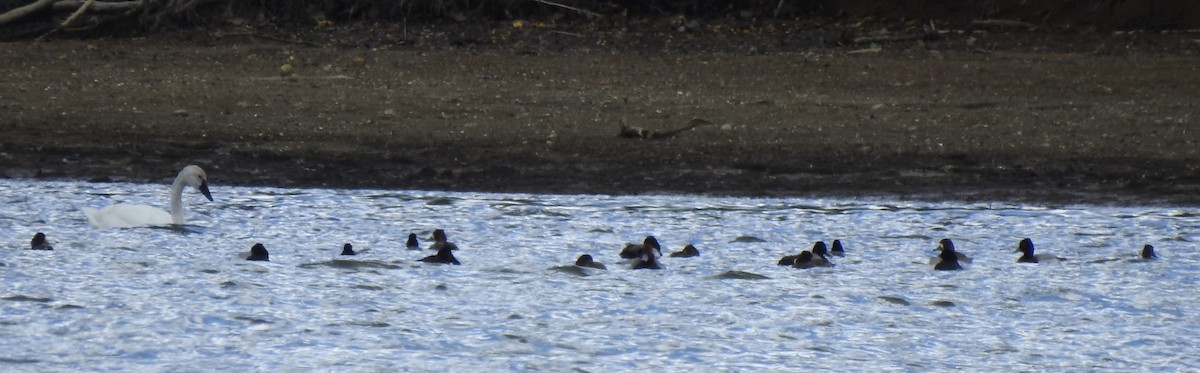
634	132
76	6
100	11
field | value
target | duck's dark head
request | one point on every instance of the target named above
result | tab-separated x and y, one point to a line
946	245
1147	252
1026	250
348	249
259	253
412	240
837	247
439	235
39	240
584	260
1025	247
651	242
819	249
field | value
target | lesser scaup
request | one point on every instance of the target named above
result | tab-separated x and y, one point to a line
1027	255
39	242
444	256
585	260
259	253
633	251
687	252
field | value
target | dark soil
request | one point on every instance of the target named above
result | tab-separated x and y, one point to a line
1030	117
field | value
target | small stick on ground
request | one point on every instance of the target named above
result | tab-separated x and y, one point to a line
585	12
1000	23
633	132
268	37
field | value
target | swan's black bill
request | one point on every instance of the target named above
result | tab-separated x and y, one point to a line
204	189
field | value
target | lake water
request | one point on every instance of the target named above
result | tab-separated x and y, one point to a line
153	299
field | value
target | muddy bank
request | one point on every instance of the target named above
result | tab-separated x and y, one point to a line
946	120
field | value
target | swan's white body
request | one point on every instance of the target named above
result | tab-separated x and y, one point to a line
124	215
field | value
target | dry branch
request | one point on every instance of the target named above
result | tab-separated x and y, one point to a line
21	12
103	6
71	18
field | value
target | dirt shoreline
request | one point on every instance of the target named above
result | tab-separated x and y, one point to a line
944	120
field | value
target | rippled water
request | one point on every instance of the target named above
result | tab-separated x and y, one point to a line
181	300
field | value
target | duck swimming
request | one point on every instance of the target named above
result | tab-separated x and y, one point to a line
806	260
445	255
837	249
1027	255
821	254
649	258
123	215
948	258
259	253
634	251
585	260
348	249
412	243
946	245
440	241
813	258
788	260
1147	252
39	242
687	252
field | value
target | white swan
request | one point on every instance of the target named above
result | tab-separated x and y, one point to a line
123	215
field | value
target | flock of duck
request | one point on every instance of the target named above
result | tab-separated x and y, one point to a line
444	255
641	256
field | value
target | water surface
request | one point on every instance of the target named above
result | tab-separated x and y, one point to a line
160	299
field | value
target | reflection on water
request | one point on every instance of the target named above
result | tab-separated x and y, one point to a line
181	298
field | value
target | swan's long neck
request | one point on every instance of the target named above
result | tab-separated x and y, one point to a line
177	201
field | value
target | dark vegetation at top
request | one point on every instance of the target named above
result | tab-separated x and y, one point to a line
23	19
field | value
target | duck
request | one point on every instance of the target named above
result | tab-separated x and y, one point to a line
788	260
837	249
947	259
348	249
259	253
687	252
1147	252
585	260
649	257
634	251
1027	255
820	254
807	259
412	243
39	242
124	215
947	245
445	255
440	241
